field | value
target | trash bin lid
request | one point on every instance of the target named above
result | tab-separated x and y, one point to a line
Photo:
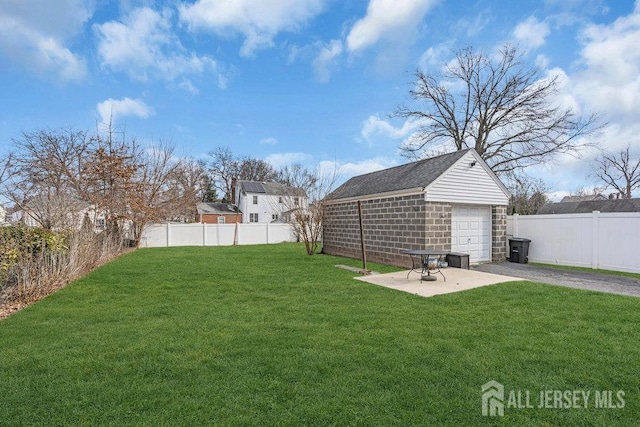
519	239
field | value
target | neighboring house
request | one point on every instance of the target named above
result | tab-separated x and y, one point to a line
3	214
570	199
71	220
452	202
264	202
606	205
217	213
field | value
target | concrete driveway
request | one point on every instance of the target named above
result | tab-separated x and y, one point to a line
592	281
457	280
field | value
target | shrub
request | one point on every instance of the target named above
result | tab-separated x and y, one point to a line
35	262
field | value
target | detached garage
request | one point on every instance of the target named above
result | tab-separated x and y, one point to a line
452	202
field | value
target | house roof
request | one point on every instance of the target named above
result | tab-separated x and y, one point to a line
614	205
269	188
404	177
205	208
567	199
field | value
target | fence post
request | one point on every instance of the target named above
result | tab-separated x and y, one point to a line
515	224
204	234
168	234
268	233
595	239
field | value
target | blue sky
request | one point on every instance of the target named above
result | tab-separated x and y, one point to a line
312	81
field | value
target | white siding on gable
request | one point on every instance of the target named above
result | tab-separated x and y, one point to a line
467	184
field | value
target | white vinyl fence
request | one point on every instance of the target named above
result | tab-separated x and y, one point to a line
609	241
163	235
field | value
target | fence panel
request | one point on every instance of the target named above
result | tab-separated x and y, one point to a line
596	240
168	234
619	242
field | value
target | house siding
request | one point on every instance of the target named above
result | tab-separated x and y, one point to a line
479	187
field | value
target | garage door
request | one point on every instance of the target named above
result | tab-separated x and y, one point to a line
471	231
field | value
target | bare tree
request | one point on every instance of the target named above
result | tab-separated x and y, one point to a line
154	194
44	174
528	195
224	166
110	178
190	184
498	105
305	203
619	171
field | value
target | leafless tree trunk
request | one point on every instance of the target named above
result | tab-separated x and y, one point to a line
619	171
500	106
305	205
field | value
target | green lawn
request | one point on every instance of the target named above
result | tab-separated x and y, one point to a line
267	335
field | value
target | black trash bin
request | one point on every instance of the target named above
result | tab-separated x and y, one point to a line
519	250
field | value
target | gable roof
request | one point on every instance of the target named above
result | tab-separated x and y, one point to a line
411	175
614	205
269	188
205	208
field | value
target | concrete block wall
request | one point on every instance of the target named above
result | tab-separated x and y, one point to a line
390	225
499	242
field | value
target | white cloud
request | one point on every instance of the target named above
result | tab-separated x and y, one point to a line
111	109
34	34
326	60
280	160
435	56
374	127
144	46
387	19
269	141
258	21
531	32
348	170
610	80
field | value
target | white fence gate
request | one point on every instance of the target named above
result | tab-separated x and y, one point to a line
610	241
168	234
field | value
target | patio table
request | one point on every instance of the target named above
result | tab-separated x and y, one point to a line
420	259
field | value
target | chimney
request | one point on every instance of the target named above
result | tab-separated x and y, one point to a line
233	191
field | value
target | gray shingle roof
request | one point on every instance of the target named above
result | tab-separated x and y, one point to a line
216	208
270	188
404	177
615	205
567	199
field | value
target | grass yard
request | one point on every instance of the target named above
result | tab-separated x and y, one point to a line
267	335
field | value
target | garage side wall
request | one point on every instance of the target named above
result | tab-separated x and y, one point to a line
498	233
391	225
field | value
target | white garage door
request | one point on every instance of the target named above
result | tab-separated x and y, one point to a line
471	231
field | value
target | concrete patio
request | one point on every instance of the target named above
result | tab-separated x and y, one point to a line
457	280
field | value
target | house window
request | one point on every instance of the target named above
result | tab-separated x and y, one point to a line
274	217
296	201
255	200
280	199
253	217
100	222
220	220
